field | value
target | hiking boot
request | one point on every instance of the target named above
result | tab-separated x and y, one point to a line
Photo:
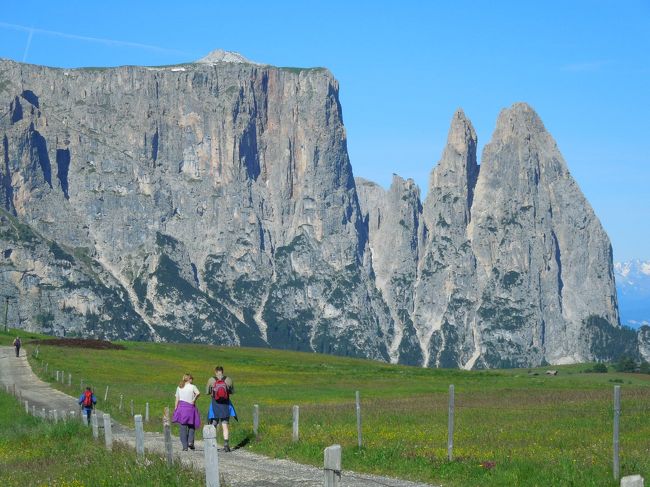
226	447
191	447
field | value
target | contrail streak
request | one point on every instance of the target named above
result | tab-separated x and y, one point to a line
29	42
100	40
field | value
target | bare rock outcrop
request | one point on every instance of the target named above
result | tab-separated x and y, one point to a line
215	202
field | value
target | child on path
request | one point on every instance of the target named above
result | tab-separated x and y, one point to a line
87	401
185	412
220	387
17	344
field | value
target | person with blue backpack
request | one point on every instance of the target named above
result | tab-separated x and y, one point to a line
87	401
220	388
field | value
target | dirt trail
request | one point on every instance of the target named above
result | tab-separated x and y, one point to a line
238	468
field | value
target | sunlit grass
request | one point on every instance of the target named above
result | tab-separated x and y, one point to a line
40	453
512	427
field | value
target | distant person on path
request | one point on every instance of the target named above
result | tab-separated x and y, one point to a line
185	412
87	401
17	344
220	387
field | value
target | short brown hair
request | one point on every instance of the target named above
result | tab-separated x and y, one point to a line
218	368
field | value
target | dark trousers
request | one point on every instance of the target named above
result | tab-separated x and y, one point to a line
17	351
88	412
187	435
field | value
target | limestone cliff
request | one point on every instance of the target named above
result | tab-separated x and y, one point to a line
215	202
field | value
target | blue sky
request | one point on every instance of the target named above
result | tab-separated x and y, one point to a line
404	67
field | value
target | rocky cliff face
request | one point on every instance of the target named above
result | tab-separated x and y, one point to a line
506	266
215	202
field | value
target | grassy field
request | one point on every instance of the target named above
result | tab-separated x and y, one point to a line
513	427
38	453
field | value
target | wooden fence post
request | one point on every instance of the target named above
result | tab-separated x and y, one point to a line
121	400
211	456
450	425
296	417
55	416
57	376
108	432
146	412
106	394
69	379
358	403
332	466
617	414
256	419
27	407
94	422
139	436
132	408
168	437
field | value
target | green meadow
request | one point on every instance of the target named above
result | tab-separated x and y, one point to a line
512	427
34	452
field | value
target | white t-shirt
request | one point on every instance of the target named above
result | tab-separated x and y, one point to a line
187	393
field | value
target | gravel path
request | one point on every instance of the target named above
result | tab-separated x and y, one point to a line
238	468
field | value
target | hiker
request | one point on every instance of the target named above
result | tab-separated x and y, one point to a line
185	412
220	387
87	401
17	345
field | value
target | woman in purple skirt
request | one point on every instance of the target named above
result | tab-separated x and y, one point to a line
186	413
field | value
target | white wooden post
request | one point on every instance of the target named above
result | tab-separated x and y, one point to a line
632	481
132	413
296	417
55	417
332	466
121	400
617	414
256	419
57	376
168	437
146	412
211	456
27	407
69	379
108	432
359	437
139	436
94	422
450	425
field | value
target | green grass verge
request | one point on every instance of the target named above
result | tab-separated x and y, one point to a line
512	427
39	453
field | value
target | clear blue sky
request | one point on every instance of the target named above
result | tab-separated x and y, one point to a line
404	67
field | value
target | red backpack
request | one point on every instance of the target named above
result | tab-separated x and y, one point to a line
88	399
220	391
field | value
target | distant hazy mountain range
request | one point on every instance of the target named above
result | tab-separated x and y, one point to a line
633	286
